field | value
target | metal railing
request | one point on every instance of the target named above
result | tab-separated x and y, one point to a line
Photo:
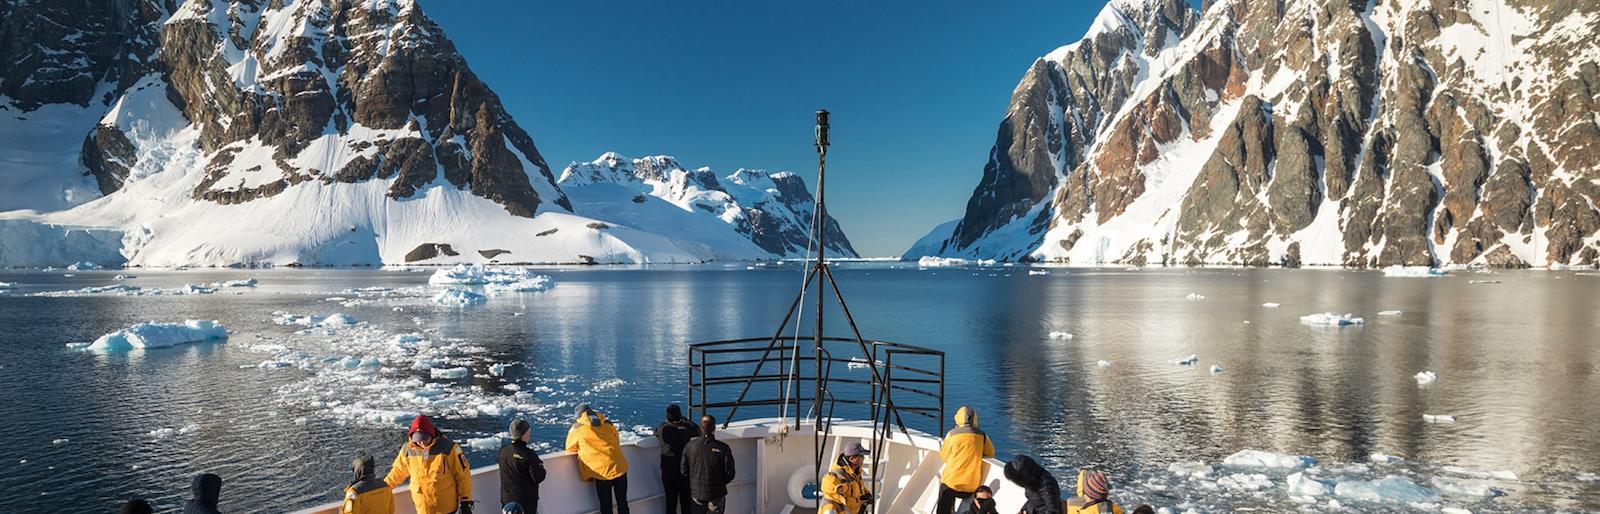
726	378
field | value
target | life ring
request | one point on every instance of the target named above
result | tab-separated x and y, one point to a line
803	487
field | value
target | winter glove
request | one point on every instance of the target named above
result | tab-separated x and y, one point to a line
466	507
866	499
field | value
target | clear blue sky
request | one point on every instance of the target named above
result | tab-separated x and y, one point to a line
917	89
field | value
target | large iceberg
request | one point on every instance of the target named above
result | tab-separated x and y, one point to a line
160	335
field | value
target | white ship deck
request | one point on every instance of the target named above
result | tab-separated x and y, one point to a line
772	471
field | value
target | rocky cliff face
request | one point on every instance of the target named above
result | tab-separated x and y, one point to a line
773	211
1320	132
325	132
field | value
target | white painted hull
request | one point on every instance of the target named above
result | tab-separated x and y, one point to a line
767	463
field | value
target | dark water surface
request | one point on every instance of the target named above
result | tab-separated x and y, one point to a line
1517	363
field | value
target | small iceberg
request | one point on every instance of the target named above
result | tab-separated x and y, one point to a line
1329	319
1383	458
1038	272
1438	418
247	282
1426	377
160	335
1186	361
1060	335
1301	485
1270	305
1413	271
458	298
84	265
1194	297
1103	364
498	369
448	373
1190	469
6	285
1395	312
1216	369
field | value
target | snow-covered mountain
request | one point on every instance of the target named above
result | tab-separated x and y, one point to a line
747	213
314	132
1330	132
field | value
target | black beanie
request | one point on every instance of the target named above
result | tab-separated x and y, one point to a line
518	428
674	412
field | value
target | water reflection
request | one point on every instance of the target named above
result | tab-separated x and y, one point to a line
1516	360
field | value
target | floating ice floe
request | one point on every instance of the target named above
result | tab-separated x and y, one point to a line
448	373
1383	458
1270	305
941	262
165	432
1186	361
160	335
6	285
1131	268
1329	319
483	443
1389	489
121	276
1465	487
856	363
1503	474
1216	369
1103	364
458	298
84	265
1245	481
1060	335
1264	459
473	275
1195	297
1190	469
1483	281
59	441
196	289
1438	418
246	282
1426	377
523	285
1299	484
1413	271
1389	313
335	320
497	369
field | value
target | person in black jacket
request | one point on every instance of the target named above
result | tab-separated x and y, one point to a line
673	435
137	506
1040	488
207	490
709	465
521	471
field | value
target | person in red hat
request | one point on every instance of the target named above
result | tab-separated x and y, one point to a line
440	478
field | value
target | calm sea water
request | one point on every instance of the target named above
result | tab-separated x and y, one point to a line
1517	363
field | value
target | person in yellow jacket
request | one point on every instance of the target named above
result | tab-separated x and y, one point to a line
962	451
367	494
600	459
843	491
1093	497
441	479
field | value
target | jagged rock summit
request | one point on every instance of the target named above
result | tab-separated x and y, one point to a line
1326	132
313	132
